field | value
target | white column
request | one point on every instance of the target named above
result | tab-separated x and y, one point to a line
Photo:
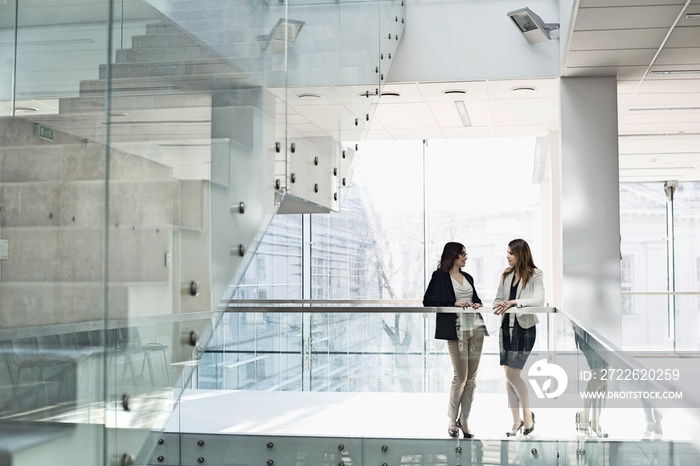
590	206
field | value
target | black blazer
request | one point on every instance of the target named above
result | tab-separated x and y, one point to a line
440	293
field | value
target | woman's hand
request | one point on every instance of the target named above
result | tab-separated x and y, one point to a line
476	306
462	304
502	306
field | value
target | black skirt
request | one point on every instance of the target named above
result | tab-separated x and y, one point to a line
515	348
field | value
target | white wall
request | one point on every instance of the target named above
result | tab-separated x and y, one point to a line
458	40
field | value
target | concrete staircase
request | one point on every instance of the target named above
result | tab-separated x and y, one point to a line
160	100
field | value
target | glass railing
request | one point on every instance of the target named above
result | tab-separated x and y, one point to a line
348	382
370	383
78	381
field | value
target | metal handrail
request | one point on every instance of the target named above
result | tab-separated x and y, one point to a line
365	306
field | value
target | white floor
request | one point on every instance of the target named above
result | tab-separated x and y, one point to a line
385	415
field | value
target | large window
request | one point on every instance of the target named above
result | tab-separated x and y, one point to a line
660	254
384	243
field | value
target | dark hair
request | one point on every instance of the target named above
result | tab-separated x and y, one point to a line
450	252
524	263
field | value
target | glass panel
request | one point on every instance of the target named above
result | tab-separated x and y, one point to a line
52	188
686	210
360	67
377	237
458	175
10	47
643	268
359	373
134	181
391	26
623	395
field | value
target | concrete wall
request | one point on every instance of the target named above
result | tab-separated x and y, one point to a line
52	196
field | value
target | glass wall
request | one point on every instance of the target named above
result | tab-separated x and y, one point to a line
145	147
382	245
660	273
644	266
686	215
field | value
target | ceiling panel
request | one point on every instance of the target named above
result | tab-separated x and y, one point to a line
405	116
680	56
629	17
446	114
649	38
682	36
515	90
473	90
618	3
610	58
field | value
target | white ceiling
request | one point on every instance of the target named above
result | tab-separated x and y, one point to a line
659	115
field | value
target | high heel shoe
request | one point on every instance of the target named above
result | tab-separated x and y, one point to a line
453	432
465	433
529	430
513	433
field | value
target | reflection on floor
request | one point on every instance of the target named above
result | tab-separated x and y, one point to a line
387	415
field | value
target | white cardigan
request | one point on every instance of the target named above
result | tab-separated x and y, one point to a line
531	295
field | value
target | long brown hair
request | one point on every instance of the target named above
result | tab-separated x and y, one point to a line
524	264
450	252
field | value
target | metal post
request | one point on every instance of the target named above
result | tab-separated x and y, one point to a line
426	367
670	190
306	288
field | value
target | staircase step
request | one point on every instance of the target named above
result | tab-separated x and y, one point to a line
163	28
149	55
148	85
186	5
225	11
194	26
163	40
168	68
126	103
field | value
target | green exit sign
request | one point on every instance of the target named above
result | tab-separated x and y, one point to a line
46	132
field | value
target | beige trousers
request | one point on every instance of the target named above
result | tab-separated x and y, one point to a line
465	363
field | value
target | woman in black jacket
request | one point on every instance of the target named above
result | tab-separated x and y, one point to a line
451	287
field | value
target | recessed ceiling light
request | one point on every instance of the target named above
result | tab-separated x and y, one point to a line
462	112
666	109
666	72
308	95
523	89
692	16
454	91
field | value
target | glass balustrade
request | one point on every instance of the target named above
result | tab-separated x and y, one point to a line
310	377
342	381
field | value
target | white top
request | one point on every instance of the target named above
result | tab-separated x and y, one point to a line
465	292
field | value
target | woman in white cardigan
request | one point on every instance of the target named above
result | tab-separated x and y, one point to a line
520	286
